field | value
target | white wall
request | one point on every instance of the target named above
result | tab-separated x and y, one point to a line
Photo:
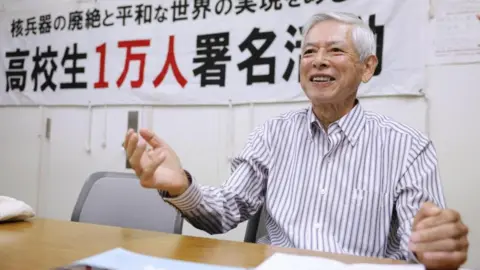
48	174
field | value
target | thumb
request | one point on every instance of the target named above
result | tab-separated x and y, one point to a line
478	16
152	139
427	209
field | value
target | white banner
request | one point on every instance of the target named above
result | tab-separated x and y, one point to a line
190	52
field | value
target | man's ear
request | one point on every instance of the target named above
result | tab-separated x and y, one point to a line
370	65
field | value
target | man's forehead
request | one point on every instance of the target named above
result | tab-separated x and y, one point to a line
328	32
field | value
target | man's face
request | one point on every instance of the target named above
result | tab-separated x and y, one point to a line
330	69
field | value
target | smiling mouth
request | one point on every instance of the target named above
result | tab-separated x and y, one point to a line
322	79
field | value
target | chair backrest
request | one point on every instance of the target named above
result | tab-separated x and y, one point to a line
256	228
118	199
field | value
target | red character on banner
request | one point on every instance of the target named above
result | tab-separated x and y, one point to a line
101	83
131	57
170	61
128	44
141	57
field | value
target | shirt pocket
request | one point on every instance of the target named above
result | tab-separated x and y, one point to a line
364	222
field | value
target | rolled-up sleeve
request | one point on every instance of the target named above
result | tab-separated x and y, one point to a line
220	209
419	183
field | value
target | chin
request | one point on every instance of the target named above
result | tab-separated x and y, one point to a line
322	97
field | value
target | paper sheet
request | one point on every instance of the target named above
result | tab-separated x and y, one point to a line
455	32
280	261
121	259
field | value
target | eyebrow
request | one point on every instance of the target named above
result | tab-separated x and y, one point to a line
329	43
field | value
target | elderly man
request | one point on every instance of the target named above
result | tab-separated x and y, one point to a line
332	177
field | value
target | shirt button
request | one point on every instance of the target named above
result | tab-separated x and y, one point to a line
322	191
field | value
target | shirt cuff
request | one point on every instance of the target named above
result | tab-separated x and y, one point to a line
188	200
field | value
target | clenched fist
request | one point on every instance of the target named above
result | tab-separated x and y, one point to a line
158	167
439	238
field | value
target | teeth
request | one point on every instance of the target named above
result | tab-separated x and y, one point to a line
322	79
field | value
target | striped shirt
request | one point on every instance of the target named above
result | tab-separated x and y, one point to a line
354	190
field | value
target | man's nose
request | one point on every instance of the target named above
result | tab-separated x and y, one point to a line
321	60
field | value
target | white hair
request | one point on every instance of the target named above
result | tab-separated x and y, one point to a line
362	37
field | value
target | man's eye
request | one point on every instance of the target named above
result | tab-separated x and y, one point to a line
307	51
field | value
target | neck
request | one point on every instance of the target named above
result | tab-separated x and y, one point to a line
330	112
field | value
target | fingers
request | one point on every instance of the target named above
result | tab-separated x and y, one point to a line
444	259
135	158
127	137
131	144
144	163
427	209
151	138
449	245
439	237
447	216
449	230
134	150
147	135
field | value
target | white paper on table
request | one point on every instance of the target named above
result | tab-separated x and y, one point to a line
121	259
455	32
280	261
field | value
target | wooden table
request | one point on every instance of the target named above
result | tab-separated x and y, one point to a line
44	243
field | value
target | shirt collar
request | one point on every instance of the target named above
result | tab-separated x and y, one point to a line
351	124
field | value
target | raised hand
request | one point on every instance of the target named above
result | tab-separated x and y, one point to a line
158	167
